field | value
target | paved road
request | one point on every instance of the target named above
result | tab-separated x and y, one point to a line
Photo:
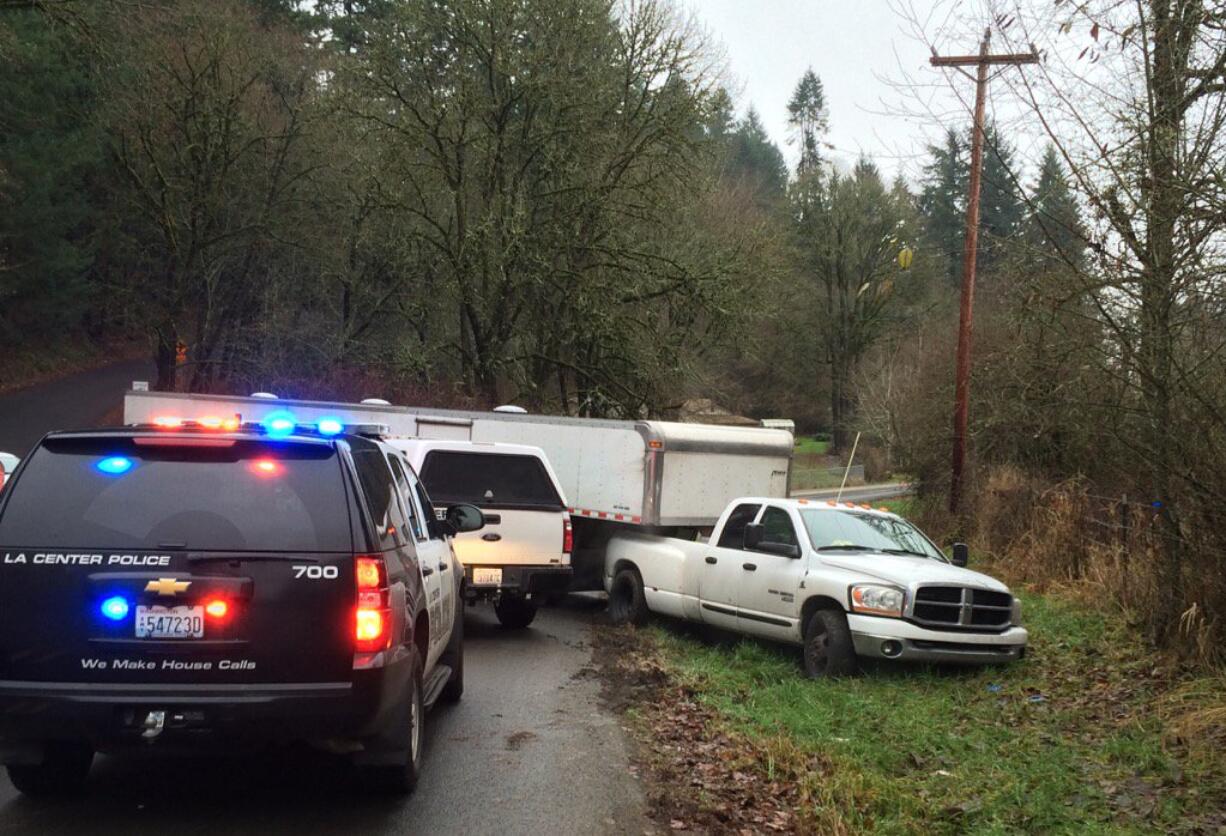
80	400
862	493
528	750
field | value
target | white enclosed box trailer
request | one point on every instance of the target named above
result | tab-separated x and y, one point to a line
659	475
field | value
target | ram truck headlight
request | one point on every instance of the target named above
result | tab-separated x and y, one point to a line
873	599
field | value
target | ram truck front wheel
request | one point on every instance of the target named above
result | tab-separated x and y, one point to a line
828	648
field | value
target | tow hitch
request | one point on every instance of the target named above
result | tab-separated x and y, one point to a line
155	724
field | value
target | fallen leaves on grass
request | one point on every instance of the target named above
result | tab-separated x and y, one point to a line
702	777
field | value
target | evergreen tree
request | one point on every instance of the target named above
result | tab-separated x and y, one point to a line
754	159
1001	210
1053	229
49	154
809	120
943	203
722	120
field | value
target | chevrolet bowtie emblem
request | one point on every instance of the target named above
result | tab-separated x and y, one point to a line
167	586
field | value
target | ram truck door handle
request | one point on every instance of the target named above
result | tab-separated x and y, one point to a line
712	560
491	537
427	571
749	567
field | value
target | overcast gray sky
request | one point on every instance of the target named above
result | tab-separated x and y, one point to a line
850	44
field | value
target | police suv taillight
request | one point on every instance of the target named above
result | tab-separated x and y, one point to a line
372	624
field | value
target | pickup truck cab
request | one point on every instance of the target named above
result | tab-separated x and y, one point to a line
524	550
194	584
843	581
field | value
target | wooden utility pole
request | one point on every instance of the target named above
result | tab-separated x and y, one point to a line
962	380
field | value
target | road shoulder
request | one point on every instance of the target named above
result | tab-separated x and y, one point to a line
700	775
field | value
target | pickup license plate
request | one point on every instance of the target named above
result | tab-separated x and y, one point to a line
486	576
169	622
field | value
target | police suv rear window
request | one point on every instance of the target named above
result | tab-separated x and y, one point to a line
115	493
490	480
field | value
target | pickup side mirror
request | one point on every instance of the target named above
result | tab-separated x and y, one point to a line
464	517
781	549
962	555
753	535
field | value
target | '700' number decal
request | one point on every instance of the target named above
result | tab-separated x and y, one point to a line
317	573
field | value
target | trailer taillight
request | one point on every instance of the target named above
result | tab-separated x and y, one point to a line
372	622
568	537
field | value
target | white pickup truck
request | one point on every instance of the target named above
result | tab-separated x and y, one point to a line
523	553
841	580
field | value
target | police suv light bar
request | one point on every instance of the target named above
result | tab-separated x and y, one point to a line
279	424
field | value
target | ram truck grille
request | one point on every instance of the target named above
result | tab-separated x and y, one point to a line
961	608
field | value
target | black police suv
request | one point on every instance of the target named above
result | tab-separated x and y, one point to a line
207	582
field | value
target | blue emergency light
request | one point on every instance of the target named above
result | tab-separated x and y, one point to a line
114	465
115	608
330	426
280	424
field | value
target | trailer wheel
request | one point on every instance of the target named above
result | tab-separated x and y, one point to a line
514	613
829	650
627	601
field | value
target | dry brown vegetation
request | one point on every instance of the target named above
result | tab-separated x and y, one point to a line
1066	540
1065	536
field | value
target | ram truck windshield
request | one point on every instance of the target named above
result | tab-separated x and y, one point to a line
853	531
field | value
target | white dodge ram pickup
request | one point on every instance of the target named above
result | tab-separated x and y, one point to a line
841	580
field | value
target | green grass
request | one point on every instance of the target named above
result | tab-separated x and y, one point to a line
810	478
903	506
1062	742
807	445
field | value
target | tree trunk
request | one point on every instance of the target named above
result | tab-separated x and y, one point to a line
164	358
840	403
1159	292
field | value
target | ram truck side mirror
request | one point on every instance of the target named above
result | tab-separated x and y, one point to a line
962	555
753	535
465	517
781	549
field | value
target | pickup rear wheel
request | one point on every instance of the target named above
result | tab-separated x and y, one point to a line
62	772
514	613
828	647
627	601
